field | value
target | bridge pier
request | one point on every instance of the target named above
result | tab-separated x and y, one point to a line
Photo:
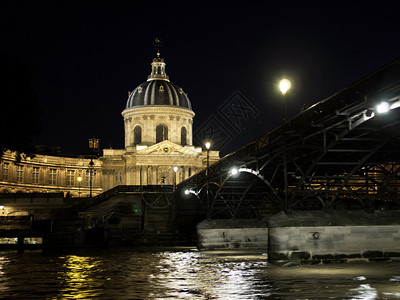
336	236
309	237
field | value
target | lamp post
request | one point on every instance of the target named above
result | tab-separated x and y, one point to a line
79	185
175	170
208	145
91	172
284	86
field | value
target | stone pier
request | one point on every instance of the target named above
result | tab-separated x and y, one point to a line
309	236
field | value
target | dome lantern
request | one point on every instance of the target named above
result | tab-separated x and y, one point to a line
158	69
158	65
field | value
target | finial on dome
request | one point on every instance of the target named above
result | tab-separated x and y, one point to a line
158	44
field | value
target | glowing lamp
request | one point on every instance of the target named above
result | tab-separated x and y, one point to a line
382	107
234	171
284	85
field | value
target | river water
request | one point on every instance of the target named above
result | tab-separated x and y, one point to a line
185	273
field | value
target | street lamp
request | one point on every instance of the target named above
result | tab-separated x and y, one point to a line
284	86
234	171
382	107
175	170
208	145
79	184
91	172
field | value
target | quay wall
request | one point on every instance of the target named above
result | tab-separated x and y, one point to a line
309	236
124	218
232	234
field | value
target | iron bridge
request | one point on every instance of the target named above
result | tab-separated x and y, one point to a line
340	153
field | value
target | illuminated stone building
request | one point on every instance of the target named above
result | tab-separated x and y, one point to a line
50	174
158	120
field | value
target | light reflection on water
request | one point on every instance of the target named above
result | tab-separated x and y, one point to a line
80	277
128	273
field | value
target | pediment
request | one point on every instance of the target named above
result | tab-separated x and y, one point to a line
167	148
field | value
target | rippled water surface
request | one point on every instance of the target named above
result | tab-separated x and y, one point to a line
185	273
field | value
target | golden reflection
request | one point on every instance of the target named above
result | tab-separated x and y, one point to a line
80	279
3	262
3	275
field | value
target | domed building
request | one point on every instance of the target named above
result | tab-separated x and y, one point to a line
159	149
167	107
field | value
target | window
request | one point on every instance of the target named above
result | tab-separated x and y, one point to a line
35	175
118	176
71	177
53	176
20	170
161	133
87	179
137	135
183	136
6	168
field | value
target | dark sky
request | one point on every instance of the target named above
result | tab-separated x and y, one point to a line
87	55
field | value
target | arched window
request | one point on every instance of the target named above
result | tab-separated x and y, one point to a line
183	136
137	135
161	133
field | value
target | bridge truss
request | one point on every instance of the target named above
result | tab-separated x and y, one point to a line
341	153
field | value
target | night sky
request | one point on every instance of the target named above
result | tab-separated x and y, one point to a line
87	55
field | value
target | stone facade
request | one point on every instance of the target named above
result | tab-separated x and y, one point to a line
153	165
148	118
50	174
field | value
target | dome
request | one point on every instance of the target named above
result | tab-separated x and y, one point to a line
158	90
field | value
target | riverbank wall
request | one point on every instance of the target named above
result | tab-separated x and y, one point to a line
310	237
